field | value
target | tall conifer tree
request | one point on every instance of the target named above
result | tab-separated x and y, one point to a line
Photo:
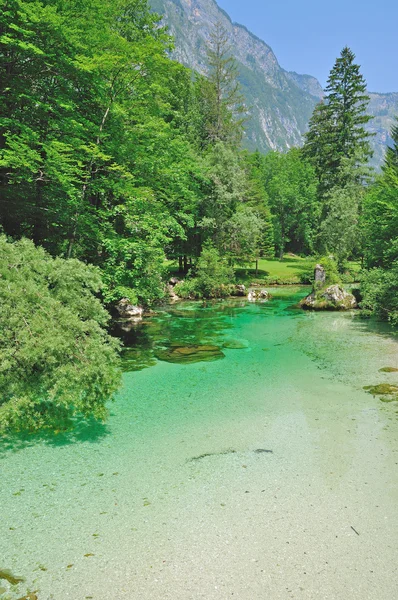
222	90
391	160
337	135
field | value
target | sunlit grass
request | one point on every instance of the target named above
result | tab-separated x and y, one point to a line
292	269
273	270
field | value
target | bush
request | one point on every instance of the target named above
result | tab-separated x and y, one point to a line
212	279
186	289
56	359
379	289
307	276
331	268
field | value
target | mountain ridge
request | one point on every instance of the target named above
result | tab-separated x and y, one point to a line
280	102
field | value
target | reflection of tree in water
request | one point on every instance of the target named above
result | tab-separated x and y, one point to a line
189	325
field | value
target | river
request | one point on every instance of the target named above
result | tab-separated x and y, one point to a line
262	471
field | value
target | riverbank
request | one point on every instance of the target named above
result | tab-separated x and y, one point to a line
291	270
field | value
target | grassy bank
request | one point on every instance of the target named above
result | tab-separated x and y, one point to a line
290	270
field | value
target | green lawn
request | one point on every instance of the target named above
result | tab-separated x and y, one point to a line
273	270
291	270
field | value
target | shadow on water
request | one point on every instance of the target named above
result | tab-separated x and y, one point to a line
193	332
88	431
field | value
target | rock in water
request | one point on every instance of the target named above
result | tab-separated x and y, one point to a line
381	389
189	354
233	344
255	295
129	311
8	576
333	297
239	290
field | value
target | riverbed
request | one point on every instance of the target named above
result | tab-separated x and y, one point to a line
258	470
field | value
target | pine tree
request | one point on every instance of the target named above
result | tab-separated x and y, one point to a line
380	213
337	134
318	144
222	90
391	160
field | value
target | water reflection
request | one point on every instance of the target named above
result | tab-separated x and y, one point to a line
189	332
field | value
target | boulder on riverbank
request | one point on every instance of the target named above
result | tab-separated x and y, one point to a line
334	297
128	311
173	281
238	290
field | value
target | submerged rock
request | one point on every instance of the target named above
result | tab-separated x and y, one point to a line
235	344
333	297
8	576
189	354
137	359
382	389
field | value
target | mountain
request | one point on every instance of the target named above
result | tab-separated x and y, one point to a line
279	102
384	109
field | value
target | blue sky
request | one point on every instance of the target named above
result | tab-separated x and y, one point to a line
308	35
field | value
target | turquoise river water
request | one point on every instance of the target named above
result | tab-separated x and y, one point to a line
256	468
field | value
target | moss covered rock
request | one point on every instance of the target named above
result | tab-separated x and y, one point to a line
235	344
382	389
189	354
334	297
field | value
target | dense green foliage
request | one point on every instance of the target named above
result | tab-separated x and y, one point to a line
290	184
380	240
337	145
114	155
379	288
56	359
212	278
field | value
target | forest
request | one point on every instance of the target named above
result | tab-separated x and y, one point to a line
118	164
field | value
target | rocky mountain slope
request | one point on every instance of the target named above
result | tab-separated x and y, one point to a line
384	109
279	102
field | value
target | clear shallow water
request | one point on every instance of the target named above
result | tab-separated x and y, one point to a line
170	499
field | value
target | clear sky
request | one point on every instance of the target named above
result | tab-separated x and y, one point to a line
308	35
